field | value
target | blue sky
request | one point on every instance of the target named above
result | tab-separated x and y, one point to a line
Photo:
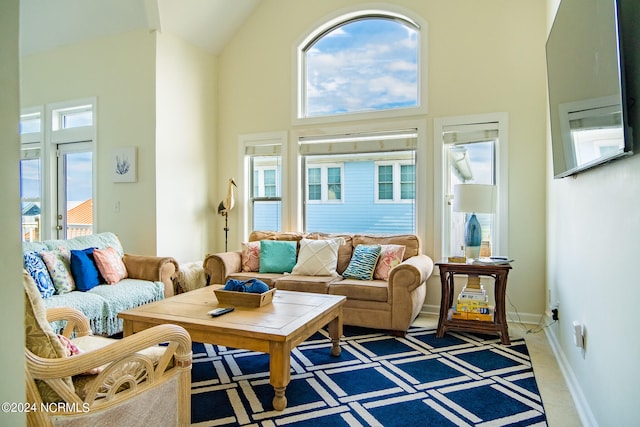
363	65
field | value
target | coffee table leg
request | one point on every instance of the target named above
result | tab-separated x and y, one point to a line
335	332
279	372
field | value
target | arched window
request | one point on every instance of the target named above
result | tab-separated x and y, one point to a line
361	62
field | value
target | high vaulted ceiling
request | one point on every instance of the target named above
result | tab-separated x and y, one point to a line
208	24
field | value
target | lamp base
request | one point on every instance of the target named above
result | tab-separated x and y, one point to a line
472	237
472	252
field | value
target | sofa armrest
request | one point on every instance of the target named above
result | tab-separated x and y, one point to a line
152	268
218	266
411	273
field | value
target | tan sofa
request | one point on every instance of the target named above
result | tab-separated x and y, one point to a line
390	304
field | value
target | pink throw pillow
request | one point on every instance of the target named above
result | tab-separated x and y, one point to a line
250	256
71	349
110	265
390	256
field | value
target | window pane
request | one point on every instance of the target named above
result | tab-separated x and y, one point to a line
407	182
334	187
72	119
31	200
79	191
270	183
315	186
30	123
366	64
472	163
385	182
267	214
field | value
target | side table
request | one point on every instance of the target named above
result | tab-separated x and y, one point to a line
499	273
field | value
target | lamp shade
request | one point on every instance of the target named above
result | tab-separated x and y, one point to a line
476	198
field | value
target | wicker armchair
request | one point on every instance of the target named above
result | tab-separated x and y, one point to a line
130	381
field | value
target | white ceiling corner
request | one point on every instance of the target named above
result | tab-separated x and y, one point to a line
208	24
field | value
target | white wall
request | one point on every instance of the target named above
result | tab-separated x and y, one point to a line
185	142
480	59
593	229
12	386
120	72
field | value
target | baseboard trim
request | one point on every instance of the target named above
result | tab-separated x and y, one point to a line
582	405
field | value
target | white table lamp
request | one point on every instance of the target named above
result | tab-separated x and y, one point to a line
472	199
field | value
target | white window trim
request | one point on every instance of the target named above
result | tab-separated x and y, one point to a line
324	183
297	64
396	180
244	189
441	213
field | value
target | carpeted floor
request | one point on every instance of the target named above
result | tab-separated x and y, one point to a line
378	380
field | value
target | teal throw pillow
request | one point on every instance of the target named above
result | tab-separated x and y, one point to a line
363	262
277	256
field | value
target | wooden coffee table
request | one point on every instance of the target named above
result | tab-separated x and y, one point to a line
275	328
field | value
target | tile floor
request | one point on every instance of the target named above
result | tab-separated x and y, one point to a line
557	401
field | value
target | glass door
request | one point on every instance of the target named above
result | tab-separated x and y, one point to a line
75	190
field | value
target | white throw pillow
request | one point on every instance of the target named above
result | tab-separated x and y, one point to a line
317	257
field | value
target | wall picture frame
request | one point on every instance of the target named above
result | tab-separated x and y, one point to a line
124	164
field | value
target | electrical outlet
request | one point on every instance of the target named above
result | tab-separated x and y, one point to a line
554	313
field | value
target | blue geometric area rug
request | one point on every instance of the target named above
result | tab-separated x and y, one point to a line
378	380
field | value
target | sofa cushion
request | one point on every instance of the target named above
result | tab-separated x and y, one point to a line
37	269
317	257
277	256
58	262
362	290
363	262
315	284
410	241
390	256
291	236
110	265
250	256
84	270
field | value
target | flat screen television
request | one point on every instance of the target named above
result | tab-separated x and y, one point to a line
587	88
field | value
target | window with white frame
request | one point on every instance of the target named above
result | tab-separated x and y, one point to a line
364	61
473	151
261	186
57	146
324	182
395	181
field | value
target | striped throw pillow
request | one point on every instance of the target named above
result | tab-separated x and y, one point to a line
363	262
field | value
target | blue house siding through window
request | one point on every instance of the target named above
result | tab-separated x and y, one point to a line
359	212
